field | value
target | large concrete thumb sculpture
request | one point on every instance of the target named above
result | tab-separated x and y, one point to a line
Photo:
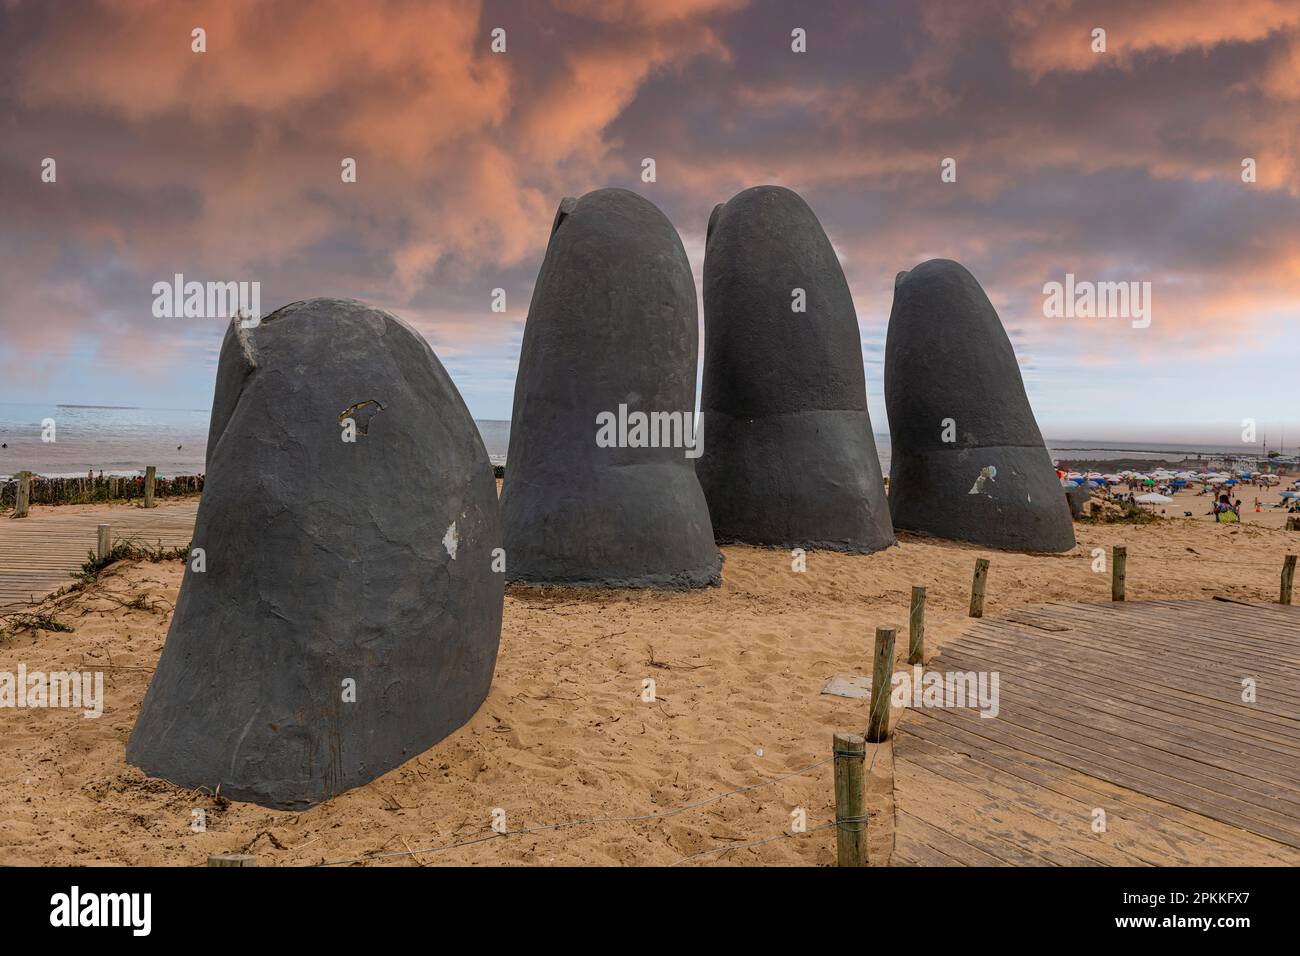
345	614
967	458
600	485
790	459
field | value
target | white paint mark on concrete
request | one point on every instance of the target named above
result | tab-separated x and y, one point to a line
987	474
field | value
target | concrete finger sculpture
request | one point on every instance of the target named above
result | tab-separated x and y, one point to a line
345	613
967	458
600	485
790	459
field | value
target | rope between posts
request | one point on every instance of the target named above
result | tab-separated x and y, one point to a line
839	822
752	843
641	818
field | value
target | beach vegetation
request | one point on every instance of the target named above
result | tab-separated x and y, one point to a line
13	624
90	490
128	550
1120	513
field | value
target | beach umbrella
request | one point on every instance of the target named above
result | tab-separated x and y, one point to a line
1153	499
1291	494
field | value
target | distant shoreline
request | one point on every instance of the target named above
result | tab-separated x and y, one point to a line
1180	461
121	440
1112	465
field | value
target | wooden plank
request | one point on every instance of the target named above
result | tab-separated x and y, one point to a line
1211	632
1140	713
922	854
1199	799
913	828
1203	625
1140	700
1155	812
1042	624
39	553
1210	623
1165	833
1178	755
1093	661
1002	827
1216	696
1252	720
1064	818
1136	637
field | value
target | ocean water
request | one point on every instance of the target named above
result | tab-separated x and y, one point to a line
116	441
122	441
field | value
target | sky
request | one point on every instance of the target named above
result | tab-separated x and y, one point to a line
1117	165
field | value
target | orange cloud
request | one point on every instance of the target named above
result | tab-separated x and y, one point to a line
1058	35
227	163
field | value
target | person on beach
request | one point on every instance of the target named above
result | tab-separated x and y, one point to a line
1224	511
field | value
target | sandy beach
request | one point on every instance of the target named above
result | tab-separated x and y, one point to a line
564	734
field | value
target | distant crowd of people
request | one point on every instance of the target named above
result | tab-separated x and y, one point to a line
1225	508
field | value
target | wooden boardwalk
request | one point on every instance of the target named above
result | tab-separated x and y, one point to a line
1134	710
39	552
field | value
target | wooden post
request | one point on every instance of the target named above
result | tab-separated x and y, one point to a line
23	496
977	587
916	628
881	684
150	474
1288	576
232	859
105	543
850	801
1118	570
